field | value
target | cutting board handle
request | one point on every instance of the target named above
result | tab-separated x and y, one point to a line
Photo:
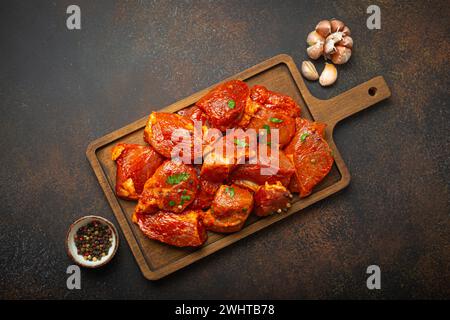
350	102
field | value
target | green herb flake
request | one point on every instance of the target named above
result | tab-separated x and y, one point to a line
240	143
269	143
267	127
244	209
230	191
177	178
171	203
185	198
231	104
276	120
304	136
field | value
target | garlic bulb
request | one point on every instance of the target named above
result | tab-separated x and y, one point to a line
331	39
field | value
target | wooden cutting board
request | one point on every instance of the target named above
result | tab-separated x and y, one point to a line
280	74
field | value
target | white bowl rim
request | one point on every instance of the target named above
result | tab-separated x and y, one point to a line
71	249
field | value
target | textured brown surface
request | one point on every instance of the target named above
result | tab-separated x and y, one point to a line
61	89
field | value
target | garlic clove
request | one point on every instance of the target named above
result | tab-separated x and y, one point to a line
328	76
336	25
324	28
309	71
315	51
346	41
346	31
342	55
313	38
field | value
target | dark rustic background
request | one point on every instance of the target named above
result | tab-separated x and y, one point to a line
61	89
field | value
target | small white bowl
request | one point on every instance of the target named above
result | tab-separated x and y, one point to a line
72	249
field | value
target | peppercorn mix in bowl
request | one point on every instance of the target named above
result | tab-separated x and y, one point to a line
92	241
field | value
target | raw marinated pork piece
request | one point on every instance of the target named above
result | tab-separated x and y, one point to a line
184	229
271	198
311	156
173	187
135	165
229	210
225	104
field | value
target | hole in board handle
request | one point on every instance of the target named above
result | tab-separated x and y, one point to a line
372	91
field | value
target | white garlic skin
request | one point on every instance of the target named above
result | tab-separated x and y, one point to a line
309	71
331	41
328	76
329	48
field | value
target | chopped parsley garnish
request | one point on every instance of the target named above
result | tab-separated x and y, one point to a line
269	143
267	127
171	203
304	136
184	199
276	120
231	104
240	143
230	191
177	178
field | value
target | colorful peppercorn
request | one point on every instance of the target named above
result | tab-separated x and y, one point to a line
93	241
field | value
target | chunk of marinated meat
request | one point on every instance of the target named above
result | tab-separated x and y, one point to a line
247	184
135	165
265	171
270	112
167	131
205	194
310	154
273	100
271	198
184	229
224	105
172	187
194	113
293	185
226	153
267	122
230	209
216	168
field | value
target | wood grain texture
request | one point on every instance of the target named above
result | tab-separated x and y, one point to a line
279	73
